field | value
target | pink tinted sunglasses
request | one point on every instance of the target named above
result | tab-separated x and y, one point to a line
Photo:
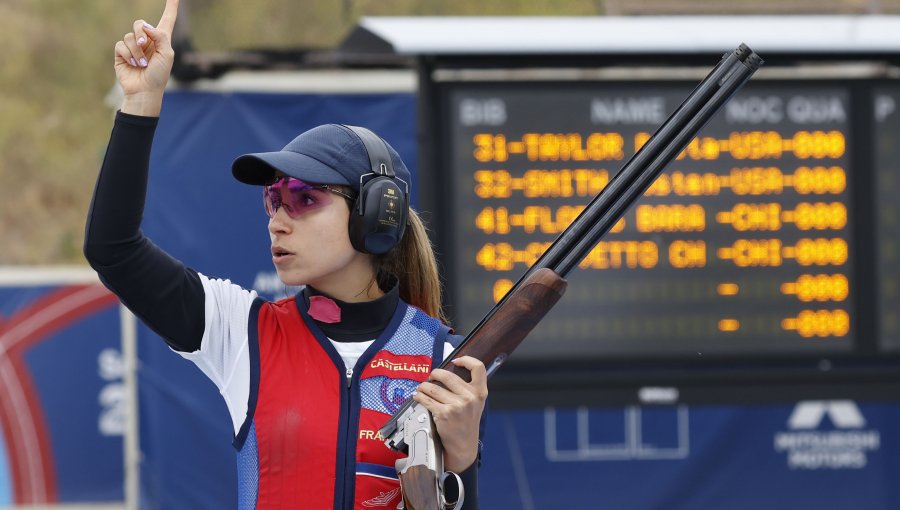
297	197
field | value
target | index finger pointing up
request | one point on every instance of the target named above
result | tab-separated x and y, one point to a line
167	21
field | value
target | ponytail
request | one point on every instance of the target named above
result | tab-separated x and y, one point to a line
414	264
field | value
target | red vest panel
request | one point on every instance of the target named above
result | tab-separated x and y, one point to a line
315	434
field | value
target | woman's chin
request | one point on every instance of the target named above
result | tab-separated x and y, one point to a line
289	279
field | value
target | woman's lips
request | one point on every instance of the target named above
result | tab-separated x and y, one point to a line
280	254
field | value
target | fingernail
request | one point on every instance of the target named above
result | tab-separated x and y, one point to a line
143	62
414	394
133	61
142	40
148	25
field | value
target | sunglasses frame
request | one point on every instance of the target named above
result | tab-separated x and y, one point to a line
287	179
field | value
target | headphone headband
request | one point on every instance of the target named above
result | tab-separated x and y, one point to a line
379	157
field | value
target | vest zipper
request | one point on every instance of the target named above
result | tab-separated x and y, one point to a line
349	453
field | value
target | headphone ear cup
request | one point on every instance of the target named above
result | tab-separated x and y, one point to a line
379	217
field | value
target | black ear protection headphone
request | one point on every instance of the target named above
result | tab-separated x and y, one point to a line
379	215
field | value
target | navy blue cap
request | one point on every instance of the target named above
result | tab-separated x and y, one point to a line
327	154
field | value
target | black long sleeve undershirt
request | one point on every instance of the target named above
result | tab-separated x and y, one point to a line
155	286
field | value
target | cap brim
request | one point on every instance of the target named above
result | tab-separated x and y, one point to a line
260	168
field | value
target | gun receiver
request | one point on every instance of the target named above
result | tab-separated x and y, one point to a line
422	473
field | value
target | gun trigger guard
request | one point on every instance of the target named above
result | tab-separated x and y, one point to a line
462	493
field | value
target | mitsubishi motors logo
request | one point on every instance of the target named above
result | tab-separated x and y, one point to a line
827	434
843	414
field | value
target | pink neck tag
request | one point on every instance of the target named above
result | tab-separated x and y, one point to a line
323	309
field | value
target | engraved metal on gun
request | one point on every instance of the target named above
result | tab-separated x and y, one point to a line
418	432
393	430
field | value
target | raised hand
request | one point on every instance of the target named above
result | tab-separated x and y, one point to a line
143	62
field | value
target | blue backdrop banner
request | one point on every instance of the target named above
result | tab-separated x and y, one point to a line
61	395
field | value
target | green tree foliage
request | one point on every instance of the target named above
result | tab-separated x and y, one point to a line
56	70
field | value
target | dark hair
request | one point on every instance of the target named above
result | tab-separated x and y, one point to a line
413	262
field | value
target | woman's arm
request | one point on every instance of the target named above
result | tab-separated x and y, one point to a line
159	289
156	287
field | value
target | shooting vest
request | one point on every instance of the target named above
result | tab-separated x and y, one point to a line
311	435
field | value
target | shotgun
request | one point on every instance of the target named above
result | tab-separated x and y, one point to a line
504	327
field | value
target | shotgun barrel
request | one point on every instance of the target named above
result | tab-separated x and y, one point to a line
507	324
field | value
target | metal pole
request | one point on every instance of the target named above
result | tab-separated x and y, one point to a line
131	440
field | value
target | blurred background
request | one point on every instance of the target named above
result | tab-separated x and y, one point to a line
55	121
794	404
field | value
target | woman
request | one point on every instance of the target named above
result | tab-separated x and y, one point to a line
309	380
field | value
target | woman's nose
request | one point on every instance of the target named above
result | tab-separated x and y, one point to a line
280	224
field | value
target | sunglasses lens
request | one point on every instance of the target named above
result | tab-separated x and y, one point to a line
271	199
295	196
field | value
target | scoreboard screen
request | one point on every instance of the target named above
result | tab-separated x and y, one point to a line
742	245
773	238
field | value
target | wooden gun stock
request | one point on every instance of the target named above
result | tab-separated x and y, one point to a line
499	336
418	486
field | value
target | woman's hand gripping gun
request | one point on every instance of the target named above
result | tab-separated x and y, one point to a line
411	429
